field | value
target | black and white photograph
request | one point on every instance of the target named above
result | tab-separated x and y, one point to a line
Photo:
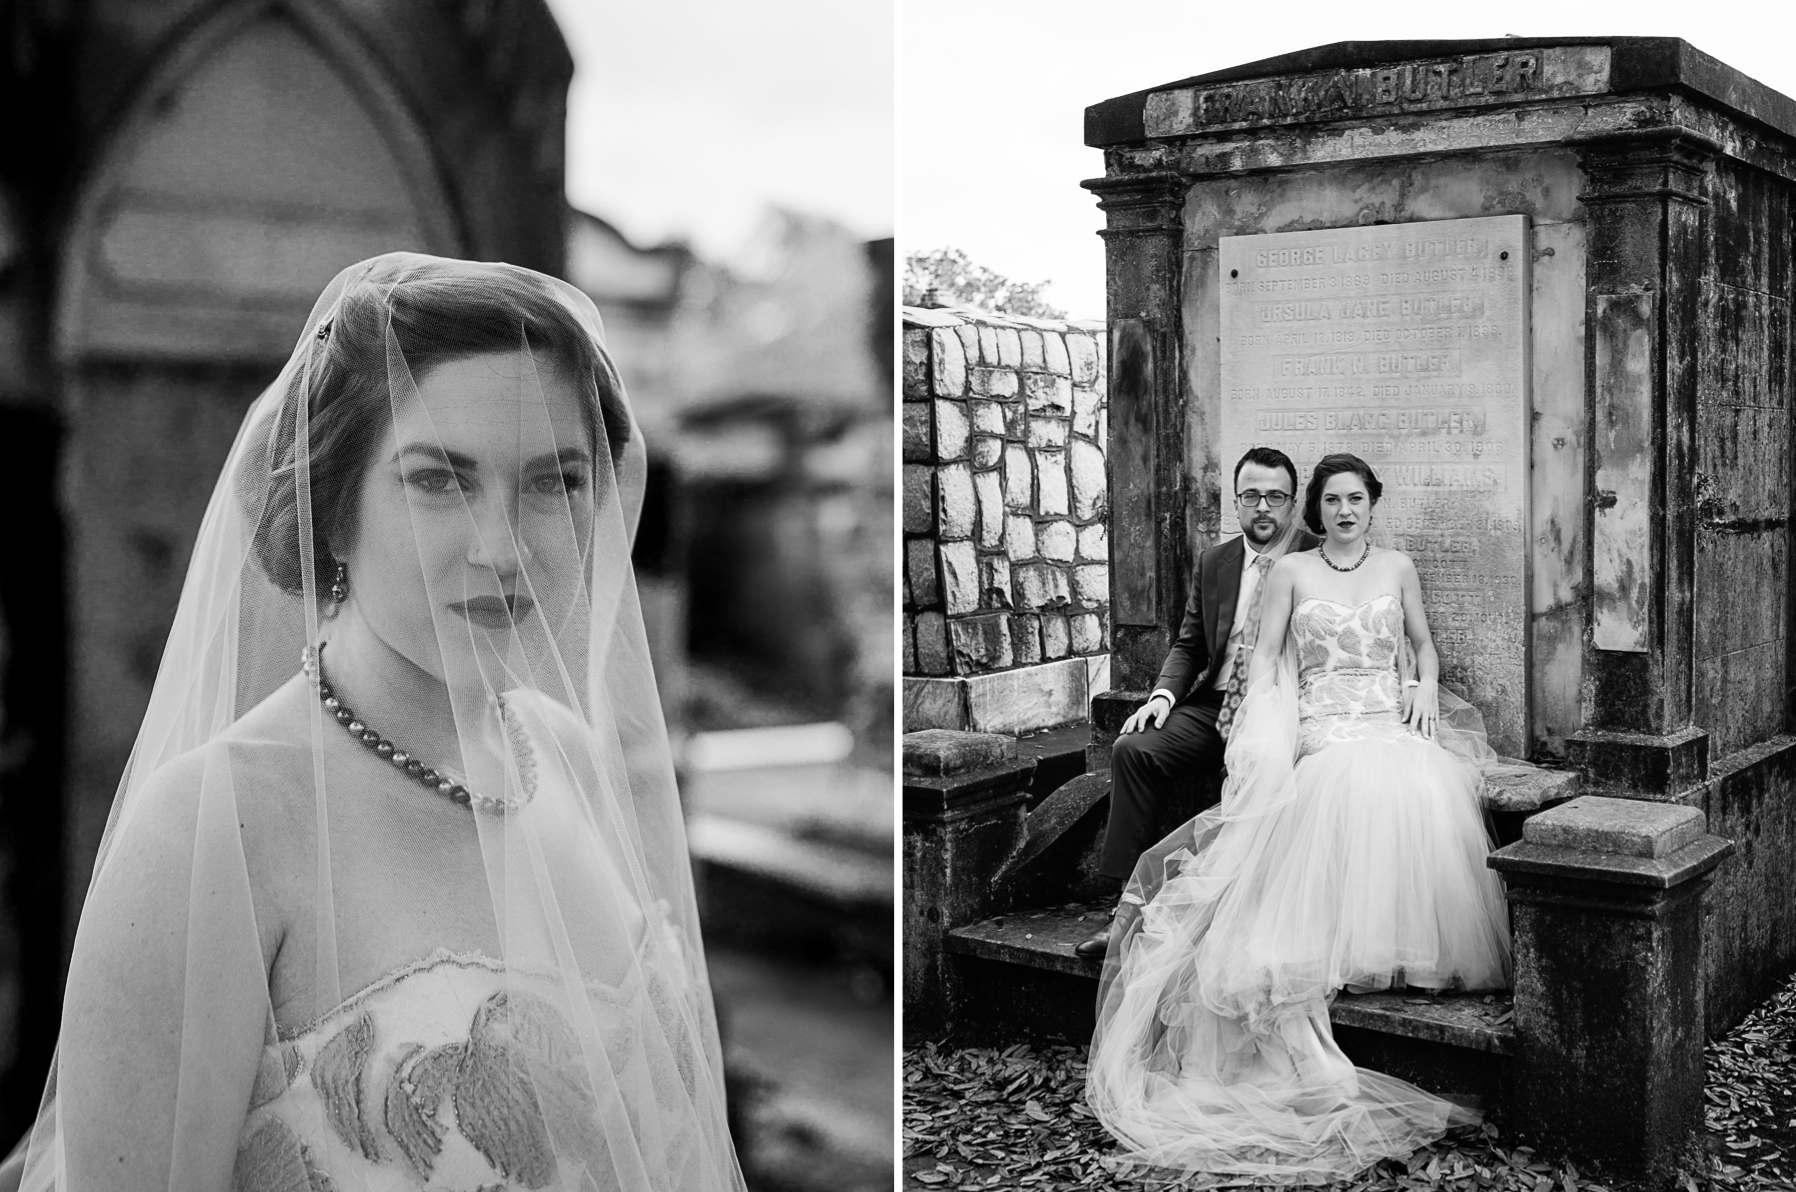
447	653
1346	537
790	596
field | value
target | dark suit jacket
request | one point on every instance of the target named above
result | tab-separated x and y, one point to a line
1209	615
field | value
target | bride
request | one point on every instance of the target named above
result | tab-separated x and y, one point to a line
395	891
1348	852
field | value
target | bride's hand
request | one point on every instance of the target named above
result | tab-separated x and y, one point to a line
1422	708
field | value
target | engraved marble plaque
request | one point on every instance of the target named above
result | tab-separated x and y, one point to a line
1407	345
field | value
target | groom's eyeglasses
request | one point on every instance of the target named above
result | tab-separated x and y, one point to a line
1250	498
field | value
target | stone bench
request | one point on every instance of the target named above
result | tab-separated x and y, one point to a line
1525	794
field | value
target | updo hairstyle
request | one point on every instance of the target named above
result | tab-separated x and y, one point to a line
1335	465
436	320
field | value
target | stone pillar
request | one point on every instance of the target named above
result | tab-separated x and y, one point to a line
1149	561
1606	896
1645	196
964	802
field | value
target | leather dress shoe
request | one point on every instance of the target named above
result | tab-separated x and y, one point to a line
1095	947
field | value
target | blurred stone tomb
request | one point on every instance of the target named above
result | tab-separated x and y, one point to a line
1543	286
189	179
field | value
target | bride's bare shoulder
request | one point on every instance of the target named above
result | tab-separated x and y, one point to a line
1398	561
1295	562
262	763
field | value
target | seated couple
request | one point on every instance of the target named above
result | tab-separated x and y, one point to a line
1348	851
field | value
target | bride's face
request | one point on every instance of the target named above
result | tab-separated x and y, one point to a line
1346	508
474	518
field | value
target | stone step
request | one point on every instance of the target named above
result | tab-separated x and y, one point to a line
762	886
808	1050
1058	754
822	870
1029	979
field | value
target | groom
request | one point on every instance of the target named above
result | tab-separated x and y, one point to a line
1175	733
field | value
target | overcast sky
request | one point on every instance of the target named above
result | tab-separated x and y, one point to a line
992	96
690	118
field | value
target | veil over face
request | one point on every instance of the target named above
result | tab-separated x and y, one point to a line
395	888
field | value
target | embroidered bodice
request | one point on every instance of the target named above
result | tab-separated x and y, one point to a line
455	1073
1347	683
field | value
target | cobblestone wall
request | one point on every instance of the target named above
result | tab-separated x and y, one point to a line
1005	525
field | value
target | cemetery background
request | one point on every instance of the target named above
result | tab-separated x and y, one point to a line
1656	619
188	178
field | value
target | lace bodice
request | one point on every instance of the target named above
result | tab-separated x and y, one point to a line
456	1073
1347	684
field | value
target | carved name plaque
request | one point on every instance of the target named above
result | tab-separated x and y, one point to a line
1405	344
1467	81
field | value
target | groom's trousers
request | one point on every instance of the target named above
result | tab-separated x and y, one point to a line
1143	769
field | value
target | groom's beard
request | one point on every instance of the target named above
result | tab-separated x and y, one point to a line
1260	530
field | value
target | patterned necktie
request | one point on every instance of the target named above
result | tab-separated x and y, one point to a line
1235	688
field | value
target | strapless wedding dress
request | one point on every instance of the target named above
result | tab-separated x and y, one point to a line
456	1073
1347	853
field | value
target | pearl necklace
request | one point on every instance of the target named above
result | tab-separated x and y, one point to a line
444	783
1363	556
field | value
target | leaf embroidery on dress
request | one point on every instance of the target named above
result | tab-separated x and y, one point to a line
273	1159
518	1080
421	1080
337	1075
274	1074
1311	654
669	1009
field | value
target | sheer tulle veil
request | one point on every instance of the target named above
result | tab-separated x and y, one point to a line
437	495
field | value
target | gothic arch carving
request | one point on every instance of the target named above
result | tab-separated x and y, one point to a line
268	148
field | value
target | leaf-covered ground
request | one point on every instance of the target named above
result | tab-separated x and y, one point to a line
1015	1117
1749	1096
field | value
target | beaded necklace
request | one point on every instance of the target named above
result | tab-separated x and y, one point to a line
1363	556
442	782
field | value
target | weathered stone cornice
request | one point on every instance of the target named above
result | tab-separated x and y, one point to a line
1391	78
1652	164
1518	129
1140	204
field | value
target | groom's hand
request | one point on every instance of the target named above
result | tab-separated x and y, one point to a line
1155	710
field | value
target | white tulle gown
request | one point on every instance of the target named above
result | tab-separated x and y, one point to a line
1347	852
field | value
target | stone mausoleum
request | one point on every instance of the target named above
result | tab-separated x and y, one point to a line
1543	286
